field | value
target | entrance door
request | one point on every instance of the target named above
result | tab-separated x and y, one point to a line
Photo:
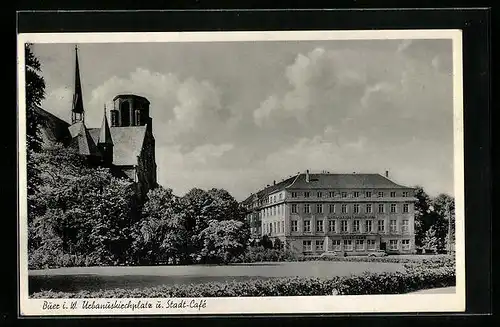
383	246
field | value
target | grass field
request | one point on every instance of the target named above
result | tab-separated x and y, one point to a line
95	278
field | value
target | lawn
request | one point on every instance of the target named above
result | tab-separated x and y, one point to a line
96	278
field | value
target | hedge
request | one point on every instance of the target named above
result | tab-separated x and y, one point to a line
416	277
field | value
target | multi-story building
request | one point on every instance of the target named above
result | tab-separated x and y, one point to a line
349	213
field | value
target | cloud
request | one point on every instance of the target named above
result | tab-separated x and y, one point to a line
58	101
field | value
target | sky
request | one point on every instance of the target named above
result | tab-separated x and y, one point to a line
240	115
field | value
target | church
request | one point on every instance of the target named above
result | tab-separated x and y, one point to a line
126	144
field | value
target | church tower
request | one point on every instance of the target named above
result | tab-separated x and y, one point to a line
77	112
104	142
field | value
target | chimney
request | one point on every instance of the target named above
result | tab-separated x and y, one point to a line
307	176
274	182
386	174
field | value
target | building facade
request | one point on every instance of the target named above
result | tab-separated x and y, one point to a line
347	213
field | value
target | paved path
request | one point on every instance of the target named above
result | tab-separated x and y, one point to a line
441	290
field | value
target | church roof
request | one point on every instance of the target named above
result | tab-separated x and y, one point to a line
82	140
104	133
53	128
127	143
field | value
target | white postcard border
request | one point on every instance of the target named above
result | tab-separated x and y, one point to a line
402	303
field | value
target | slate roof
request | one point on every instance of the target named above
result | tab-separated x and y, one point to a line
127	143
82	140
53	128
354	181
327	180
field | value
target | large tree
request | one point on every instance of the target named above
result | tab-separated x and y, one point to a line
423	214
35	93
161	235
444	206
80	215
223	241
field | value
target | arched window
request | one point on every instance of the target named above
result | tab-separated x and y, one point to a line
138	117
114	118
125	113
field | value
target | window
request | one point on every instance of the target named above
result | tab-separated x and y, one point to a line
381	226
137	118
393	244
356	208
368	194
393	225
307	208
279	209
331	194
307	226
356	194
275	228
380	194
294	194
344	194
114	118
344	208
405	244
348	245
331	225
336	245
283	227
306	194
393	207
319	208
270	228
319	194
274	199
370	244
355	226
274	211
393	194
406	207
320	245
343	225
295	226
294	207
405	226
360	245
381	208
307	246
368	226
405	194
125	113
332	208
369	208
319	225
281	196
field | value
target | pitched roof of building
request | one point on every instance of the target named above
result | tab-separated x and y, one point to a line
82	140
105	133
127	143
327	180
360	181
53	128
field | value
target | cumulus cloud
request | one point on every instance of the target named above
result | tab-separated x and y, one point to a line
363	107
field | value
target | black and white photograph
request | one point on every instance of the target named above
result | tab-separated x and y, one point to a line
239	172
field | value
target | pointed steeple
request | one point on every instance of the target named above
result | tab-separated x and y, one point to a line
104	142
77	111
104	132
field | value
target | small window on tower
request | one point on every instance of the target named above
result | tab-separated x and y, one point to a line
138	117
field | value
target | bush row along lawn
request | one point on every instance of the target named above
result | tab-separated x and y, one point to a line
416	277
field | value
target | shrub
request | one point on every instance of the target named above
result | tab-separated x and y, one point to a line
415	278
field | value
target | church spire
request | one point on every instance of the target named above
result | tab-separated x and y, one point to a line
104	142
77	112
104	132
